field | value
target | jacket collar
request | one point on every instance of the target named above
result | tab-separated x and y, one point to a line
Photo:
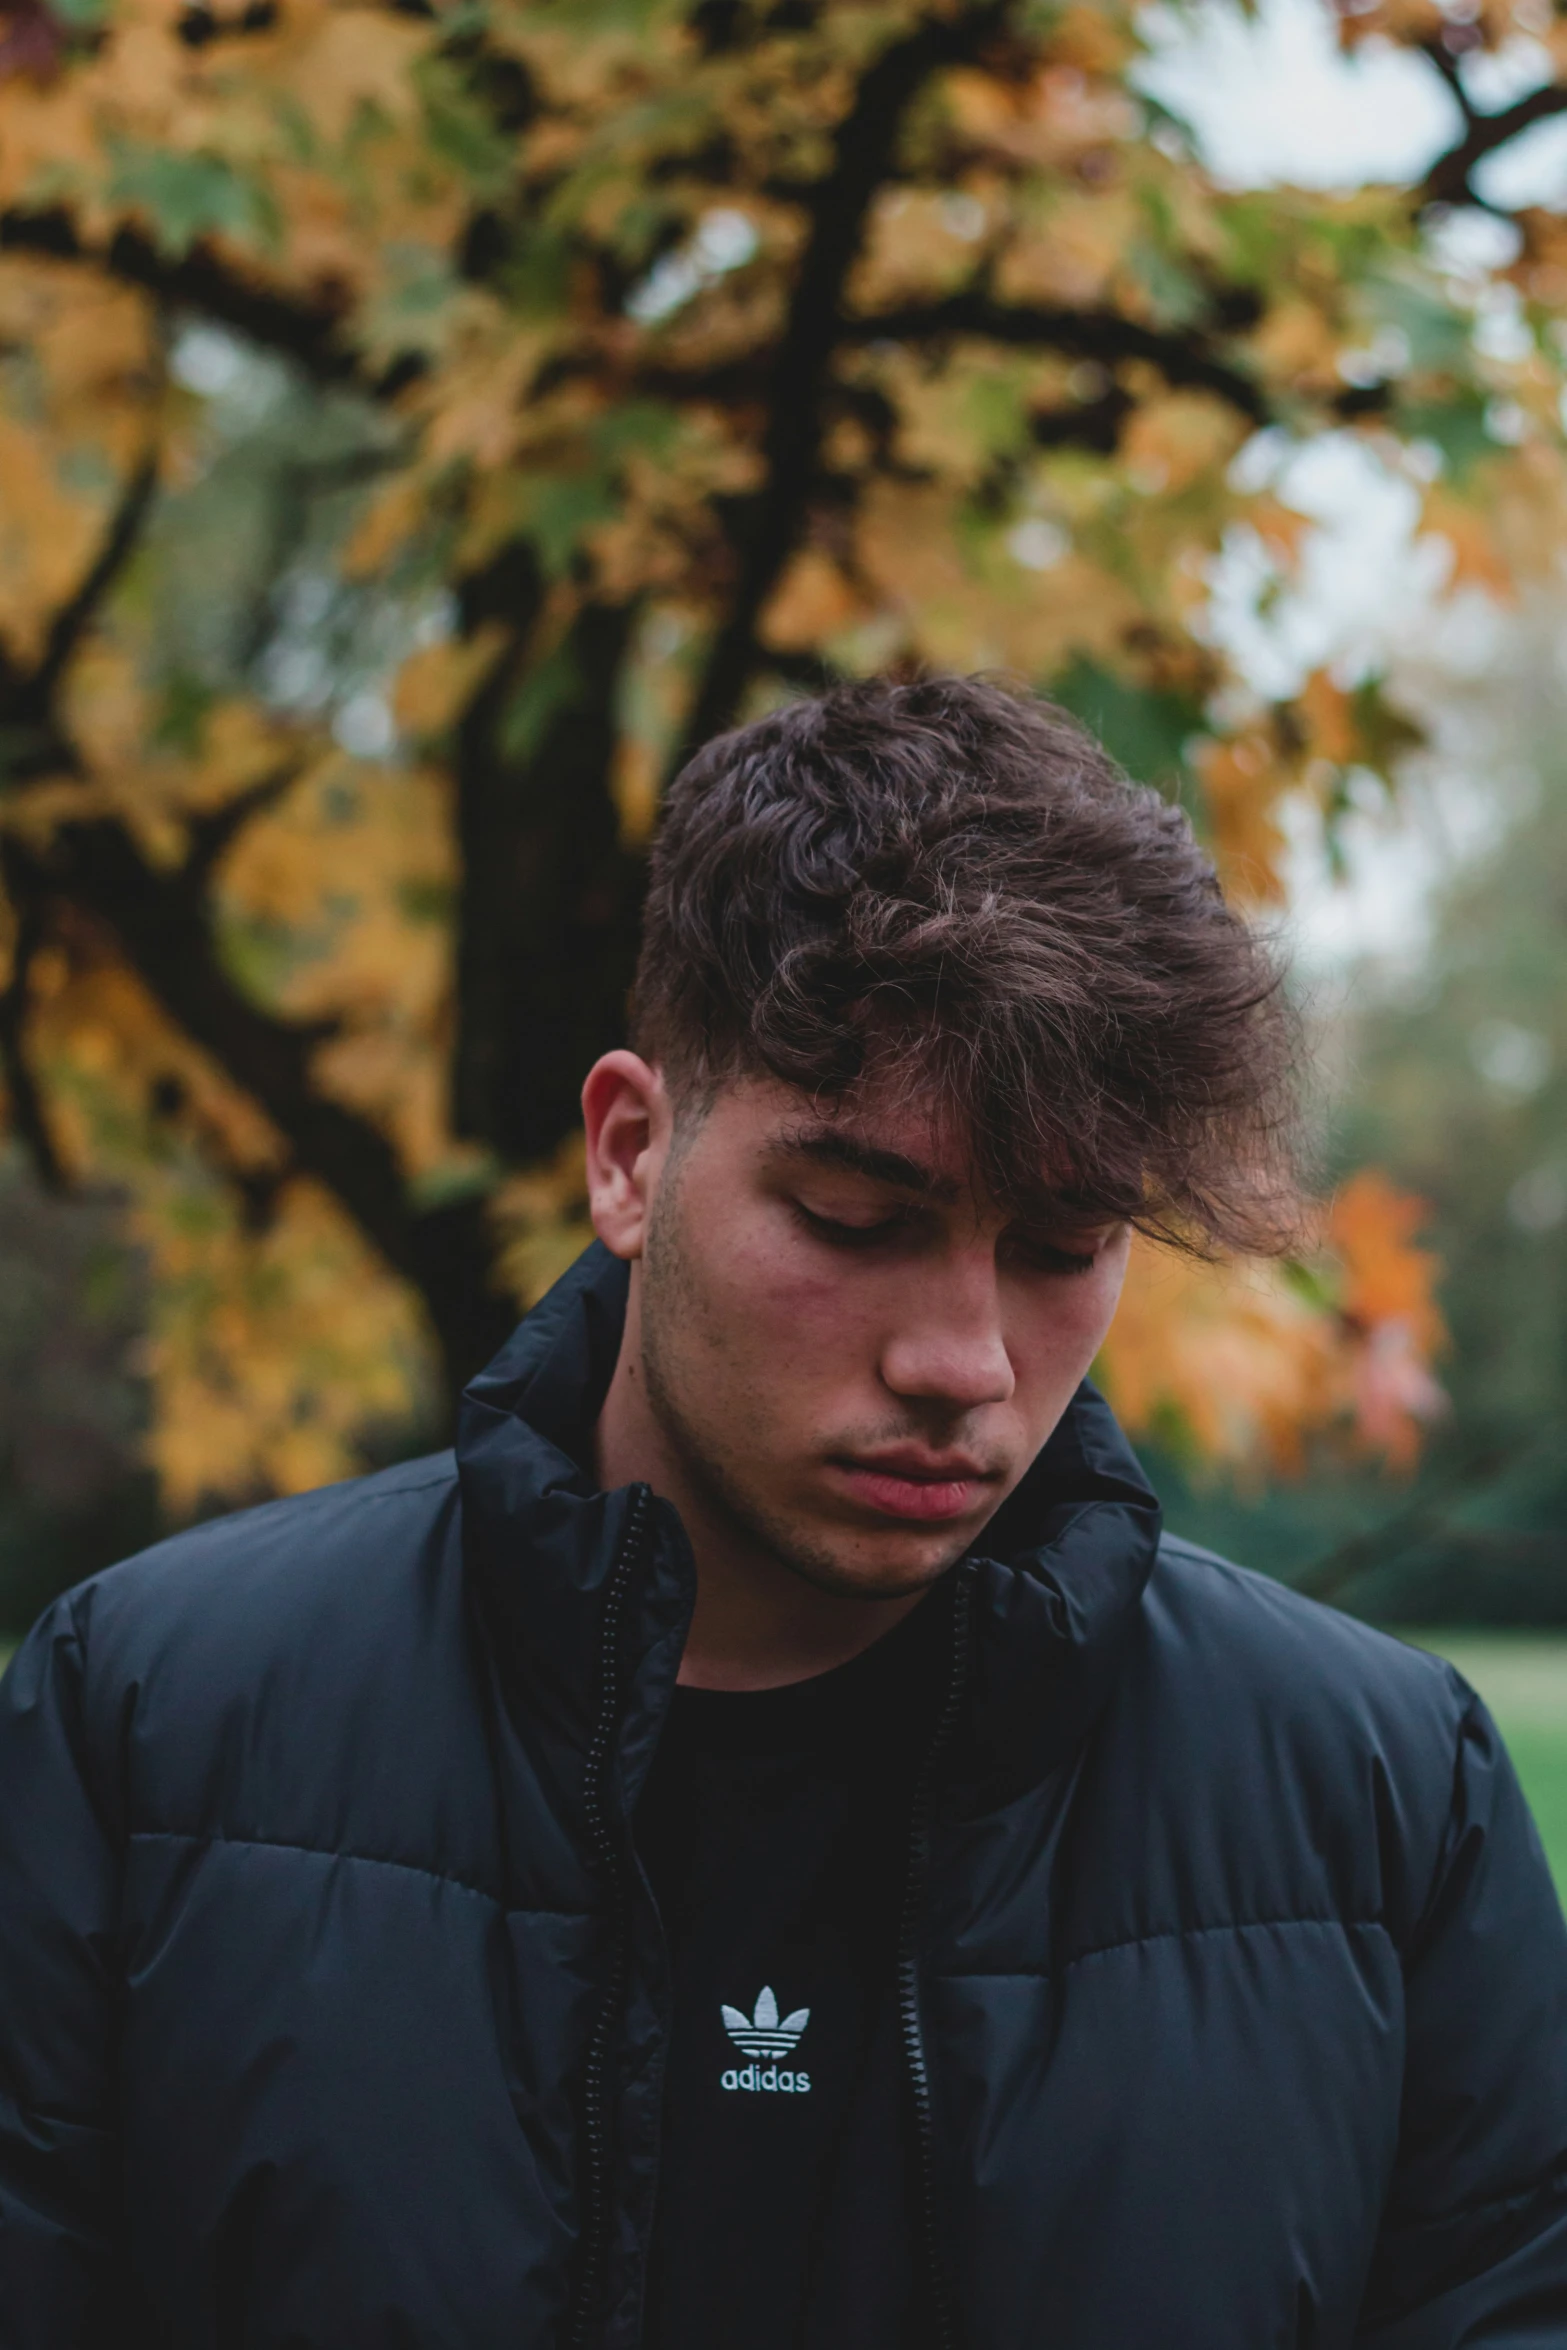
1059	1578
1058	1573
542	1540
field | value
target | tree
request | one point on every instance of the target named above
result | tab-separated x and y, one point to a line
73	1490
420	424
1461	1090
1455	1082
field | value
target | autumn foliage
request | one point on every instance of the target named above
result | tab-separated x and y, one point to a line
625	365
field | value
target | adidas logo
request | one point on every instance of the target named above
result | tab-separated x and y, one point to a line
765	2034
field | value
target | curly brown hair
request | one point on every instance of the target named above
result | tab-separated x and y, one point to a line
948	888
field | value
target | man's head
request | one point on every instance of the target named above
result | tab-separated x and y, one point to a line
933	1008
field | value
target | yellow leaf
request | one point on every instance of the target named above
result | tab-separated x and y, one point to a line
1229	1352
1329	714
812	601
1374	1228
439	680
359	57
1242	784
1477	560
1169	442
395	515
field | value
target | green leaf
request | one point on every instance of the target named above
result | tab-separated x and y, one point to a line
1144	728
461	129
188	197
1000	409
181	721
1456	426
589	19
413	308
1386	732
1438	334
626	148
1311	1283
536	279
455	1179
560	508
649	427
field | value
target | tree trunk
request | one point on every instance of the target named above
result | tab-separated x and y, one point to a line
549	897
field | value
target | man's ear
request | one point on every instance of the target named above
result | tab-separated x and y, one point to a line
628	1119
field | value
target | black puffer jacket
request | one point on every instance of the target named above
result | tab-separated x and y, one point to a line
1234	1990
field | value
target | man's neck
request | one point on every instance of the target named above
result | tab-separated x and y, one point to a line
758	1624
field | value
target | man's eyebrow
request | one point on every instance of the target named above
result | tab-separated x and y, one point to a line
829	1146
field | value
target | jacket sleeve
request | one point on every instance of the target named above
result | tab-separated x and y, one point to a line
1473	2250
58	1879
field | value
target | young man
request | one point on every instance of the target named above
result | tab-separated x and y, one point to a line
765	1849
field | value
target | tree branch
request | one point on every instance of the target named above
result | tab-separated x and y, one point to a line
1450	178
769	527
1095	425
813	673
215	831
1438	54
76	616
29	1117
547	919
30	742
1101	335
308	332
1329	1574
163	926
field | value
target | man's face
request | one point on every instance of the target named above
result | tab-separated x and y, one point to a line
855	1357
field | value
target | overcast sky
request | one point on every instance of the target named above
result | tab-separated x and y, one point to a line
1273	99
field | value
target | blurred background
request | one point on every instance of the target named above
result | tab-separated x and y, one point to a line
421	423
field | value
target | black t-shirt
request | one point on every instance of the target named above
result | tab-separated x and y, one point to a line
774	1830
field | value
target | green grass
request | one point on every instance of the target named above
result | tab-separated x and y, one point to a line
1523	1678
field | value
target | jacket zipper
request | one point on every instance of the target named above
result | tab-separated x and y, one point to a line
944	2328
609	1854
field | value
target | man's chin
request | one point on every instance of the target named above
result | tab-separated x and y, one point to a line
846	1555
902	1571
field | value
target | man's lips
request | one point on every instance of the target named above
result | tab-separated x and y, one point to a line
912	1484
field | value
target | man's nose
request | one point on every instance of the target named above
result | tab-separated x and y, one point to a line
948	1345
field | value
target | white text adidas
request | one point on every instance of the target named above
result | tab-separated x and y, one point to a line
765	2034
766	2076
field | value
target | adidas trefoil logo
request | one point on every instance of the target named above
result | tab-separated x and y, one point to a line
765	2034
